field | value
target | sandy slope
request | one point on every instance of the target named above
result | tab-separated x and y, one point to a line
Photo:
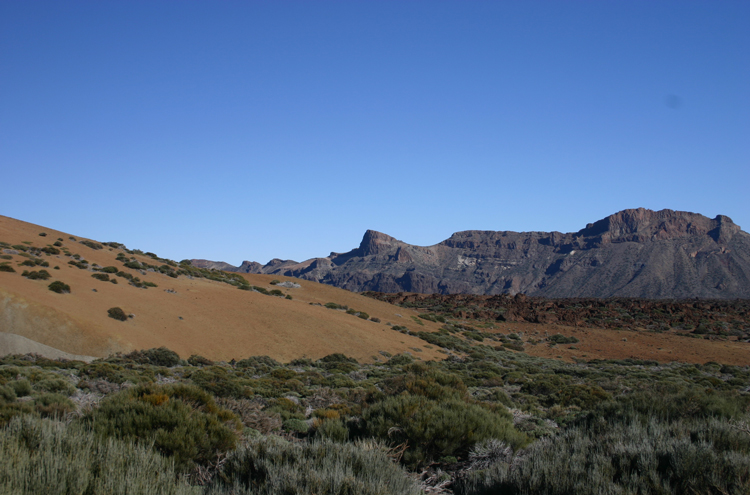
601	343
203	317
15	344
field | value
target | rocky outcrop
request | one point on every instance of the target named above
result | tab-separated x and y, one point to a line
633	253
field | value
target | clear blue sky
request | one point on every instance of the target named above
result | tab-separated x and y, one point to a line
252	130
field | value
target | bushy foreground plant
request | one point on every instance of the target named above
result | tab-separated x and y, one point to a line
654	457
272	466
43	456
434	429
181	421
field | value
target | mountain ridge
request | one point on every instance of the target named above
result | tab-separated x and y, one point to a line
631	253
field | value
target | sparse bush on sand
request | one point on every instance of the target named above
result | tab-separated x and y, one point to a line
117	313
59	287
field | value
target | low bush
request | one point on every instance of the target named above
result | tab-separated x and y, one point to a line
160	356
117	313
262	364
59	287
40	275
181	421
43	456
22	388
650	458
109	269
100	276
562	339
434	429
296	425
196	360
55	406
332	429
217	381
272	466
92	244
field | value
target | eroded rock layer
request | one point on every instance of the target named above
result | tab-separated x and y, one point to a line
633	253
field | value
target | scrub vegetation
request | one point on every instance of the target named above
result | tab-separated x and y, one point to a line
484	420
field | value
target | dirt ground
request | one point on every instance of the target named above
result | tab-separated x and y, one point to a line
596	343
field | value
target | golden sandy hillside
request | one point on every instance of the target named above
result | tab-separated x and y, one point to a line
190	316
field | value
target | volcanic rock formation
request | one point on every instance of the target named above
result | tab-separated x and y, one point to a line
633	253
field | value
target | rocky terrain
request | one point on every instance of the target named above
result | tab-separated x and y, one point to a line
633	253
704	318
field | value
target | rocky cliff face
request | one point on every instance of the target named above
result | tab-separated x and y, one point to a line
633	253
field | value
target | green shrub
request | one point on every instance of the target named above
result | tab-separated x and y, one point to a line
22	388
117	313
295	425
196	360
53	406
363	315
40	275
272	466
562	339
92	245
435	429
160	356
182	421
400	360
55	385
650	458
109	269
332	429
50	250
43	456
217	381
59	287
262	364
101	276
7	394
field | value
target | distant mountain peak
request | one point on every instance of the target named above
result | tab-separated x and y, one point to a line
641	224
375	242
